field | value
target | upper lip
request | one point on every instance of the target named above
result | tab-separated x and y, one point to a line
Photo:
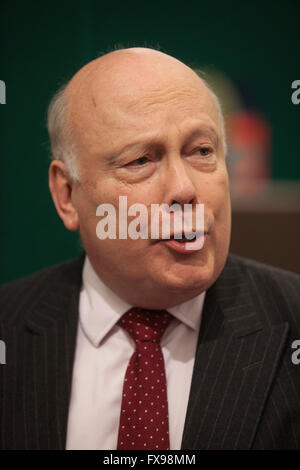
182	234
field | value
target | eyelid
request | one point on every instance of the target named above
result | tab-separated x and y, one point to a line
132	162
204	146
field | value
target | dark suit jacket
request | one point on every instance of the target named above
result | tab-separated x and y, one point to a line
245	391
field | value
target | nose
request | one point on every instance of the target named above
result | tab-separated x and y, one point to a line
179	183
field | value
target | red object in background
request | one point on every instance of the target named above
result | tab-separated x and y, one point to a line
249	144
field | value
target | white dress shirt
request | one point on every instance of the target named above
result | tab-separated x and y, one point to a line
103	350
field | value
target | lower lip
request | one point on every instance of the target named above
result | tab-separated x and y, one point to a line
186	247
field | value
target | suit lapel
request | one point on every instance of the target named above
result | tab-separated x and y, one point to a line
235	363
50	339
236	360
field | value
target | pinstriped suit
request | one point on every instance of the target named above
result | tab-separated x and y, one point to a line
245	391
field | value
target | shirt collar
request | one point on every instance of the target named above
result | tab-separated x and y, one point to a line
100	308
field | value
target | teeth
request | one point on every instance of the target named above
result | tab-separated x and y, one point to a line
185	240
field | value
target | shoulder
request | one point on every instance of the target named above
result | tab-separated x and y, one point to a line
264	273
23	293
272	289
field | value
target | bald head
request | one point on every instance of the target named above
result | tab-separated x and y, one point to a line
134	79
129	70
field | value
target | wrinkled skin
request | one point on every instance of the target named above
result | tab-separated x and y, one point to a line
149	99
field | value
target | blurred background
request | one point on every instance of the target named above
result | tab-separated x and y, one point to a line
249	53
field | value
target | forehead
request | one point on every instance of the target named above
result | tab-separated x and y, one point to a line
151	101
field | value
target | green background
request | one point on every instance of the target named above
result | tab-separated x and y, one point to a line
44	44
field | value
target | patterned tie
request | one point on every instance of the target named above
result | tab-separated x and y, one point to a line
144	422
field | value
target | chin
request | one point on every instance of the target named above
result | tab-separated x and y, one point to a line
189	279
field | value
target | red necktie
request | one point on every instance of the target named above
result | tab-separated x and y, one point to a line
144	422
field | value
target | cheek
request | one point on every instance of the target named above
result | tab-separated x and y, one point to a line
214	192
223	208
223	215
216	198
92	193
108	192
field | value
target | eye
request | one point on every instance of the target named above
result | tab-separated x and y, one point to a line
204	151
139	161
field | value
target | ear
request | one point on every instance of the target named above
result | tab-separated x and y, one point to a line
61	185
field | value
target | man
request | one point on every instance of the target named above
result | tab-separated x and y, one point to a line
141	124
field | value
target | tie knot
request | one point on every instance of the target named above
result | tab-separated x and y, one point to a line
145	325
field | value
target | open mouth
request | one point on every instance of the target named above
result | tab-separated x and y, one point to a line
183	238
185	243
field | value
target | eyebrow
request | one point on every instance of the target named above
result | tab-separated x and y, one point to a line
203	131
156	141
111	159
